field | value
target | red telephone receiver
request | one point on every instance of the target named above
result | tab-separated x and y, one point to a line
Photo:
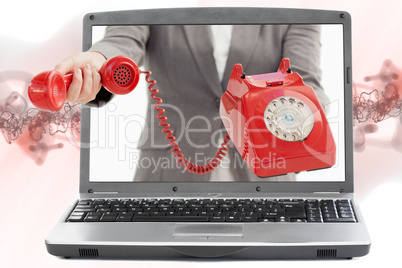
276	122
47	91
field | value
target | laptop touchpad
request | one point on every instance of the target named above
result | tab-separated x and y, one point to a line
207	231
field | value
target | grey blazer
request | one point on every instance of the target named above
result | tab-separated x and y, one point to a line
181	60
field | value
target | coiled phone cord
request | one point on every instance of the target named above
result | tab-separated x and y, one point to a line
190	167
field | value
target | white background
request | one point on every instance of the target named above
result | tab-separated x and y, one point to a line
36	35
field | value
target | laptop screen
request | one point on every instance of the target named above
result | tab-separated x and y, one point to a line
253	95
127	143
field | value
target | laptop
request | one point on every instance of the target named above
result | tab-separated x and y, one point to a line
136	200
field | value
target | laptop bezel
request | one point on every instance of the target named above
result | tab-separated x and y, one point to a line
194	16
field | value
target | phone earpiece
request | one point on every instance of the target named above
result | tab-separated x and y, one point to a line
48	90
120	75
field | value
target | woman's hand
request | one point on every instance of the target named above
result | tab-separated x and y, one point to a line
86	78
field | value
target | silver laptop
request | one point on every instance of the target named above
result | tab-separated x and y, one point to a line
135	199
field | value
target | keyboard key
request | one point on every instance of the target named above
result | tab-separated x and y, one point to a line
138	218
125	216
109	216
75	218
329	215
233	219
314	219
84	210
102	206
339	220
84	202
250	219
340	201
298	203
217	218
104	210
120	210
346	215
84	206
295	208
143	213
98	202
93	216
77	213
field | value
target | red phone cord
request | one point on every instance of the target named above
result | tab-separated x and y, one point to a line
190	167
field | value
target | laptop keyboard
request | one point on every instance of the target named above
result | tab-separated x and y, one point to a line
212	210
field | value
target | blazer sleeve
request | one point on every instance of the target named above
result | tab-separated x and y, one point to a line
302	45
128	41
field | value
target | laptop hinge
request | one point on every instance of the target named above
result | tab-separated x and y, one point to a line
102	193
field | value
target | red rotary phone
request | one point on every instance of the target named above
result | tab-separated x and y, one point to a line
276	122
47	91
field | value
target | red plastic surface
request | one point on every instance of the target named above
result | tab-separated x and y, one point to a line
242	112
47	91
120	75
